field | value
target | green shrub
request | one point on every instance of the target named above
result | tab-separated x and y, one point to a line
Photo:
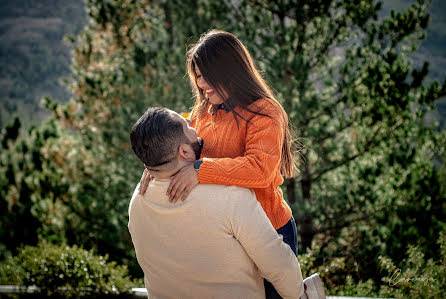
356	289
416	277
61	270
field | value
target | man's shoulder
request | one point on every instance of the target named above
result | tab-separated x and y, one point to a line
222	192
224	200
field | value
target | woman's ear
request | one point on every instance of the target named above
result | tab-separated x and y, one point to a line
186	152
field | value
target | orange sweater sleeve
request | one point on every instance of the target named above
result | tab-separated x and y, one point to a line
260	163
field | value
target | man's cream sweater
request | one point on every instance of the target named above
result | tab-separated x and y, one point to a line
218	243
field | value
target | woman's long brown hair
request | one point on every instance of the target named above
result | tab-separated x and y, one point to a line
227	66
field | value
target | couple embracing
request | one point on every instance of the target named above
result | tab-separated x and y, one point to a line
208	219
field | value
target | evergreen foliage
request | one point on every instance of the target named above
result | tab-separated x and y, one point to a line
61	271
419	277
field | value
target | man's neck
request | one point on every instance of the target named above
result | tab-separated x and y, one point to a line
169	174
162	176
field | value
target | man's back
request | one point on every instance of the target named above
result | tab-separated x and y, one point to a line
215	244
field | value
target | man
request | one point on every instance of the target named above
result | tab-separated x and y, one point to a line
218	243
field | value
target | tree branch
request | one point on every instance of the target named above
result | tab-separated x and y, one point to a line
331	135
321	111
261	4
325	48
372	140
346	222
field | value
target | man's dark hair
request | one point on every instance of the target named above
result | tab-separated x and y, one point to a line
156	137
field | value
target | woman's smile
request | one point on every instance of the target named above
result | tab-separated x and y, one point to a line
213	97
209	93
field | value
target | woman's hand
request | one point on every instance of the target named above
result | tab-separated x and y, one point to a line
182	183
145	180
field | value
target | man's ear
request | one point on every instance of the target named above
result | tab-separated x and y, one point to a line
186	152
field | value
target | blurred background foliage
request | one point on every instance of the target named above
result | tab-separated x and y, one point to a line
62	271
34	60
361	95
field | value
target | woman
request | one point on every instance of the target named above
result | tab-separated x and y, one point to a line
247	141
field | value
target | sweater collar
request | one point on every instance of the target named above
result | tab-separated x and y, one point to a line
221	106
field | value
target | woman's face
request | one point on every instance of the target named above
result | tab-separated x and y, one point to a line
211	94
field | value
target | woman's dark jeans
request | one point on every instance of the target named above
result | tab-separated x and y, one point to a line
289	233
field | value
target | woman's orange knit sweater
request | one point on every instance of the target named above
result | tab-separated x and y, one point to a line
247	156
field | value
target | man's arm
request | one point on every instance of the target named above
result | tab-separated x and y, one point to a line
274	258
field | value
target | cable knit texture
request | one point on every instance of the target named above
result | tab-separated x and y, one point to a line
247	155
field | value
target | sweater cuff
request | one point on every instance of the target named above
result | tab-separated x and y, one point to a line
206	175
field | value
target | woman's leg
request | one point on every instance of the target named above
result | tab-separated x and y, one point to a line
289	233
